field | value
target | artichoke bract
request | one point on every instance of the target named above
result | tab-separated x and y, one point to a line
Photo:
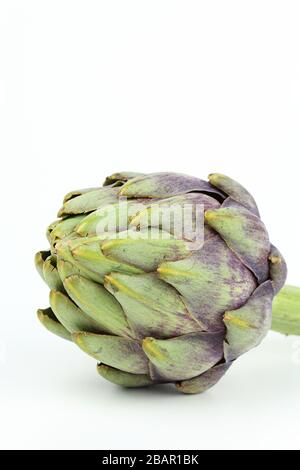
153	305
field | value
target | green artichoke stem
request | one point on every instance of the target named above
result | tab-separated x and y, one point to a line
286	311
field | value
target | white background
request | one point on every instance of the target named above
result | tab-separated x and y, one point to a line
88	88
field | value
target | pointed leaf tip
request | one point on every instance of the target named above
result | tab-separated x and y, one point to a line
204	381
186	356
248	325
124	379
51	323
39	260
245	234
278	269
234	190
122	353
96	302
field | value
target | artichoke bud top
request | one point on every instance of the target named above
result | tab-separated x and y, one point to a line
161	277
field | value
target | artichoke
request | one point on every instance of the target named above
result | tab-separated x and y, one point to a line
150	304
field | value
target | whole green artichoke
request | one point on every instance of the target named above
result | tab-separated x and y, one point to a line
151	306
